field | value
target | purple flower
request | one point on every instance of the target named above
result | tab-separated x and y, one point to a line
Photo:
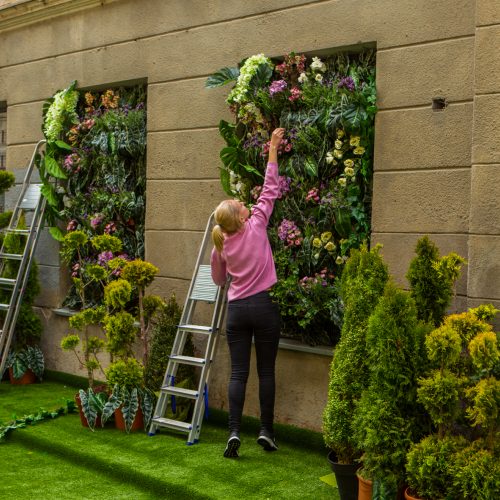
104	257
96	221
289	233
347	82
277	86
283	186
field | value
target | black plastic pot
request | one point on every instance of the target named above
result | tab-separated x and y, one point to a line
347	480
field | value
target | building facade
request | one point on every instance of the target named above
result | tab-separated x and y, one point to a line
436	170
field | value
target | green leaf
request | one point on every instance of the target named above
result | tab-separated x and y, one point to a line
147	406
228	132
63	145
50	195
311	167
343	222
230	158
113	403
222	77
88	410
35	361
262	76
56	233
53	168
129	408
224	179
20	365
252	170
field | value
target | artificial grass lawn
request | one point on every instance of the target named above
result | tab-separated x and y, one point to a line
60	459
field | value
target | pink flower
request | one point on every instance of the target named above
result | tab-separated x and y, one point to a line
277	86
72	225
295	94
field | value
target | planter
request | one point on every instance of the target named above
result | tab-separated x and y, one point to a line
409	496
136	425
28	378
83	420
365	488
346	478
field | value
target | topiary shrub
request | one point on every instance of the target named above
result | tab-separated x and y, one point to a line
387	418
363	281
432	279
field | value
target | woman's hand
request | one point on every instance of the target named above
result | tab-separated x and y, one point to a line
276	137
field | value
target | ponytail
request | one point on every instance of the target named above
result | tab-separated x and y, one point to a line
218	238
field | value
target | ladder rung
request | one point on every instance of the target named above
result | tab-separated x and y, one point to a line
19	231
13	256
4	307
196	329
179	391
172	424
188	360
7	281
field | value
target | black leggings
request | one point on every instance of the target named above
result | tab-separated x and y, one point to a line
255	316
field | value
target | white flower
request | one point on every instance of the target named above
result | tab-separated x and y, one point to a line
318	77
329	157
318	65
303	78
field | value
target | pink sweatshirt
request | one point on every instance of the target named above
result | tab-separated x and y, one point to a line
247	255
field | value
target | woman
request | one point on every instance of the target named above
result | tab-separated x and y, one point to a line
242	251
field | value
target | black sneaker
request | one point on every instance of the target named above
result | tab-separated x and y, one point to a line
267	441
232	446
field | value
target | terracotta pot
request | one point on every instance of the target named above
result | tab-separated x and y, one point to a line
409	496
345	474
365	488
28	378
83	420
137	424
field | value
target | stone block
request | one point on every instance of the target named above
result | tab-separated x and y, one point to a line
165	287
51	293
486	129
485	199
24	123
187	154
186	104
174	252
399	249
487	12
487	60
421	202
181	204
47	250
422	138
18	157
484	267
413	75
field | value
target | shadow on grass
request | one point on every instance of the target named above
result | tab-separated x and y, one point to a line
120	473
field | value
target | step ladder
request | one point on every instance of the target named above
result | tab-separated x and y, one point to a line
31	205
201	289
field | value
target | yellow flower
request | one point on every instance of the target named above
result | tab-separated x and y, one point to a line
359	150
354	142
340	133
349	171
342	181
339	260
349	163
330	246
317	243
338	144
326	236
337	154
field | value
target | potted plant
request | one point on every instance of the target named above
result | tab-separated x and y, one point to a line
461	395
362	285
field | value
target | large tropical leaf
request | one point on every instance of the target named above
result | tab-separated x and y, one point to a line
252	170
56	233
130	407
230	157
343	222
224	179
53	168
262	76
50	195
88	409
35	360
63	145
222	77
228	132
311	167
20	364
113	403
147	405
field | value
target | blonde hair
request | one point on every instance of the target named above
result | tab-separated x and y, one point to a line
227	219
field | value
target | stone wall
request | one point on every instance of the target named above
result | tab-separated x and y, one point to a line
436	172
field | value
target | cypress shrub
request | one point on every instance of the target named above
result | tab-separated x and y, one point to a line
362	284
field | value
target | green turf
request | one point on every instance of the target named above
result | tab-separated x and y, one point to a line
60	459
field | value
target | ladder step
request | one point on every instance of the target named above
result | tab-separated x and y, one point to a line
178	391
196	329
4	307
172	424
13	256
19	231
7	282
188	360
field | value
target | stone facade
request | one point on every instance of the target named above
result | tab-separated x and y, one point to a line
436	172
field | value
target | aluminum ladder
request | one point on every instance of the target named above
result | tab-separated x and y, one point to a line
201	289
31	204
